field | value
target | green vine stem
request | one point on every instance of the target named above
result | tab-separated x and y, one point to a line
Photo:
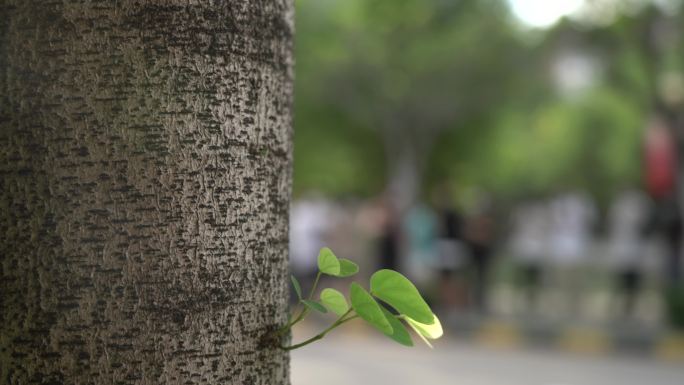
302	313
313	288
322	334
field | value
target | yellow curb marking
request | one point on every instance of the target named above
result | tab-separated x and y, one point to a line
671	347
584	341
499	335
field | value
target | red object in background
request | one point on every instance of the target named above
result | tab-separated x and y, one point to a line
660	160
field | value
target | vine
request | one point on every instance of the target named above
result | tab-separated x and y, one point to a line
389	286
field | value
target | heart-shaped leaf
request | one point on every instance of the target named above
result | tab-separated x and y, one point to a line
347	268
368	309
313	305
399	292
432	331
328	262
399	332
297	287
334	301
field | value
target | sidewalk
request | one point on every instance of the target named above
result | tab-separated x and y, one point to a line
364	357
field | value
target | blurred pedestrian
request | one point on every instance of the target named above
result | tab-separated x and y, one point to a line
451	249
389	237
480	241
573	216
420	228
660	167
627	220
660	161
529	246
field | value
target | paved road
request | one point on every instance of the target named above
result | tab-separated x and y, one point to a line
361	358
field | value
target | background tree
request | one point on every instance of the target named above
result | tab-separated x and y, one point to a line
460	90
401	73
145	152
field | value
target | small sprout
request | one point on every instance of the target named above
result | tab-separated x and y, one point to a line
399	292
368	309
334	301
389	286
297	287
313	305
347	268
328	262
399	332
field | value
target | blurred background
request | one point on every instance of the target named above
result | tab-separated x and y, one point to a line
520	161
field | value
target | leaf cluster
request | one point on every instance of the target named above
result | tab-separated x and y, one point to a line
392	303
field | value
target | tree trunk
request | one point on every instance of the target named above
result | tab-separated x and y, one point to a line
145	151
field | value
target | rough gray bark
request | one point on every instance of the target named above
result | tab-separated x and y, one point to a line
145	151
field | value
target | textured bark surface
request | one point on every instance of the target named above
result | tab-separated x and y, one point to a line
144	190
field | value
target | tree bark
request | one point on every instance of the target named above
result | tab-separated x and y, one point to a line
145	157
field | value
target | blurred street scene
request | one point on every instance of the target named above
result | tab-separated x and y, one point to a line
522	161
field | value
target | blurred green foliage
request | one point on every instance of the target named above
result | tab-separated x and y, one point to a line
592	143
466	93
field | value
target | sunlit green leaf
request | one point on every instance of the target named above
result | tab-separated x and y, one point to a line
347	268
313	305
399	332
297	287
328	262
401	294
334	301
432	331
365	306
